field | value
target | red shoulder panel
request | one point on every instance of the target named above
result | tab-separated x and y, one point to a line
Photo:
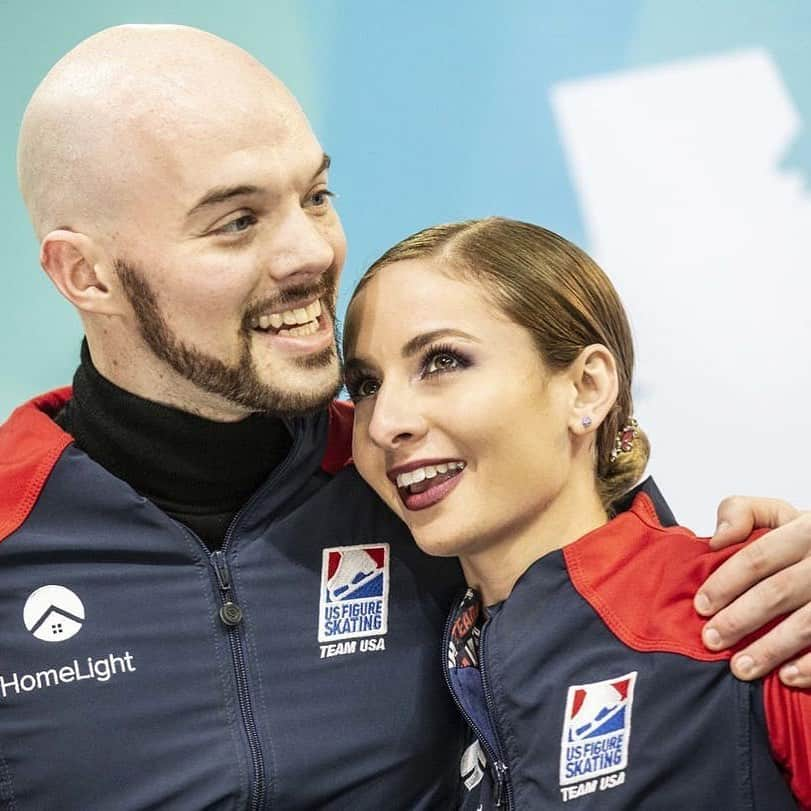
788	718
641	577
30	444
339	437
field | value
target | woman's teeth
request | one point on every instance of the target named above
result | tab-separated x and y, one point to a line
428	472
301	321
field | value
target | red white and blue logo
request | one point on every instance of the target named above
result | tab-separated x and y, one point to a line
354	592
596	729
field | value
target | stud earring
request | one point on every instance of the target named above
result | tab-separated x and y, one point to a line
585	421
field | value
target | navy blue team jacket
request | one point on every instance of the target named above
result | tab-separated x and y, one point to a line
589	687
297	668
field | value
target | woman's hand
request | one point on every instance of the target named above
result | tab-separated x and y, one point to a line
768	578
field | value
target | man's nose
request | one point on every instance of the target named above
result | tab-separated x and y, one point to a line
301	248
397	418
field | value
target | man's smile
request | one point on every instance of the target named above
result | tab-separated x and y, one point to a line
296	321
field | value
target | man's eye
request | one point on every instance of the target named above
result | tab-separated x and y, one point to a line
441	362
238	225
320	198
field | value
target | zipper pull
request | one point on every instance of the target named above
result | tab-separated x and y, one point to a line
501	779
230	612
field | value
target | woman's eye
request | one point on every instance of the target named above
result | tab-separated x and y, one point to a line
365	388
238	225
368	387
441	362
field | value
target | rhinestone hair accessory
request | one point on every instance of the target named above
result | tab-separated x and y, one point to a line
624	440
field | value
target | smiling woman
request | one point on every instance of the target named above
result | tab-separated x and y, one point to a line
508	325
491	363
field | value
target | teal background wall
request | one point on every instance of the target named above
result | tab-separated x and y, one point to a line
437	110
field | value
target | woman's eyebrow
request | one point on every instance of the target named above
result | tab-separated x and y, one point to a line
412	347
418	342
355	363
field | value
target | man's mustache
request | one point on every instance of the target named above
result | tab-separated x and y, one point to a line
324	289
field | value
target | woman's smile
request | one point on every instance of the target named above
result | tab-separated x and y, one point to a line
423	484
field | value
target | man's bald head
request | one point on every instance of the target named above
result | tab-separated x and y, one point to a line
181	200
117	107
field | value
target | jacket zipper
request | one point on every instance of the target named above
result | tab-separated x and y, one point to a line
231	616
503	789
503	783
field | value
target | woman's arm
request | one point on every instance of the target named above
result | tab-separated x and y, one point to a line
768	578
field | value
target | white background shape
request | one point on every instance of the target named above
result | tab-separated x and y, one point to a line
707	238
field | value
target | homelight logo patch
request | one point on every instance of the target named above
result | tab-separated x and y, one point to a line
53	613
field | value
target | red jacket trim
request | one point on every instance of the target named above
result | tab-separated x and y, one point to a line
643	590
30	445
338	453
788	718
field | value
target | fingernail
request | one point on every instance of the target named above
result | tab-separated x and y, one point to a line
712	638
789	672
721	527
702	603
744	665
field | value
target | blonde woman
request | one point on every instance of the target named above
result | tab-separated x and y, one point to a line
490	363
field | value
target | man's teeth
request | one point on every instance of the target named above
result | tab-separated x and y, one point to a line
427	472
290	318
307	329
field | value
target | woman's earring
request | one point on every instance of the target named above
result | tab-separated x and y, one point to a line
585	421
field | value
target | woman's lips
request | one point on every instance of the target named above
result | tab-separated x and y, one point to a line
429	491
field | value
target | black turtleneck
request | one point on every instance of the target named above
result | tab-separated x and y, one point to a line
198	471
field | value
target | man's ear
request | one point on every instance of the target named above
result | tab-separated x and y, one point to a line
80	272
594	376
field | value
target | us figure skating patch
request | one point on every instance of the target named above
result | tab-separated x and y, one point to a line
354	592
596	734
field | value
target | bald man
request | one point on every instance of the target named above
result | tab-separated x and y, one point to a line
202	609
201	604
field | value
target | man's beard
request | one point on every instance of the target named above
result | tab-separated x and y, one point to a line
239	384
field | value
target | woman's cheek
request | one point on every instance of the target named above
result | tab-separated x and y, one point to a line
365	458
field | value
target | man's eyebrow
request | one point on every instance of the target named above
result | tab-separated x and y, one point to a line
220	194
326	162
417	343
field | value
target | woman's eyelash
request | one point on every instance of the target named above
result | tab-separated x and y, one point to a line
442	358
355	380
436	360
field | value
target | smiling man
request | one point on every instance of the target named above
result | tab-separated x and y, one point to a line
185	213
201	605
273	630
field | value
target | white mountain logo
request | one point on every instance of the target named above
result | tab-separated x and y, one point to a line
53	614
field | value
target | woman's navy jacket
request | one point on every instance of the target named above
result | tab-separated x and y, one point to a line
592	689
298	668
